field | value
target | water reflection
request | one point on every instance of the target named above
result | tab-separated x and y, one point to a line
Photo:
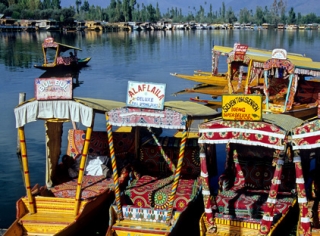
23	49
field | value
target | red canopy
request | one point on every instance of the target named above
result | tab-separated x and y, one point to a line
245	132
307	135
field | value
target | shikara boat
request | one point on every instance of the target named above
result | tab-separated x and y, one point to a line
306	146
256	191
288	86
53	56
240	67
162	199
65	205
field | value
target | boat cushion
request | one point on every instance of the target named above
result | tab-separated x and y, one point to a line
245	191
92	186
247	203
149	191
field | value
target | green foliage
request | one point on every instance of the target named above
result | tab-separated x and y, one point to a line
131	10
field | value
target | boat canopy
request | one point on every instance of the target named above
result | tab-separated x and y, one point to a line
175	115
307	135
260	53
62	47
271	132
77	110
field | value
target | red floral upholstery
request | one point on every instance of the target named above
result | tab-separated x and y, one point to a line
92	186
123	143
155	165
149	191
253	171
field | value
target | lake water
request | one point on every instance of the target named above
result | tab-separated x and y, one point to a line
116	58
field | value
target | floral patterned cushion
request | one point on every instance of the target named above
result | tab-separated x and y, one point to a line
149	191
243	203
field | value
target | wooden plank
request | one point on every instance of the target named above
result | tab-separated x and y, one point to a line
147	227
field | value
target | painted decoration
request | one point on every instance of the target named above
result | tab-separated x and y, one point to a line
306	136
242	107
146	95
279	54
242	132
53	88
131	116
240	51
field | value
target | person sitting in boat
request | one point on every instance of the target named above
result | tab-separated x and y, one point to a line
73	58
71	165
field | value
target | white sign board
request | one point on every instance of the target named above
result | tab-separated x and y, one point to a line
146	95
53	88
279	53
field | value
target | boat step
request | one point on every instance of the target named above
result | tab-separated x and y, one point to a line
46	223
142	228
54	205
36	234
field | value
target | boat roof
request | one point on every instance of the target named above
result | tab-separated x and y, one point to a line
62	47
306	135
308	65
262	54
175	115
299	67
270	132
77	110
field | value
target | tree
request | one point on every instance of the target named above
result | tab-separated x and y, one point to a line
56	4
85	7
223	13
259	16
126	10
244	16
78	4
292	16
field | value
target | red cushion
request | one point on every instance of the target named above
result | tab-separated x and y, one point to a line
152	192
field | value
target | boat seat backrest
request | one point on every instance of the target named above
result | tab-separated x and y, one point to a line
123	144
155	165
257	169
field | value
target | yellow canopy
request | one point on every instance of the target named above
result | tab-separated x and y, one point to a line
261	54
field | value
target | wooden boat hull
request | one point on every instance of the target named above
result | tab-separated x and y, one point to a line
302	112
216	80
81	63
56	216
185	223
209	90
226	226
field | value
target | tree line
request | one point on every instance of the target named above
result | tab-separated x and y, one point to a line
131	10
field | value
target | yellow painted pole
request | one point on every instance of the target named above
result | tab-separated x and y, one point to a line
25	167
81	169
248	77
114	169
177	175
230	88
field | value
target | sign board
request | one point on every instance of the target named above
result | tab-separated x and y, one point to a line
279	54
53	88
146	95
242	107
240	51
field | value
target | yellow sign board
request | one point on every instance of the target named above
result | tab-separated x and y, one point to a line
242	107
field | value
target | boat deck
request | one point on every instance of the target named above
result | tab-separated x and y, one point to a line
143	228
